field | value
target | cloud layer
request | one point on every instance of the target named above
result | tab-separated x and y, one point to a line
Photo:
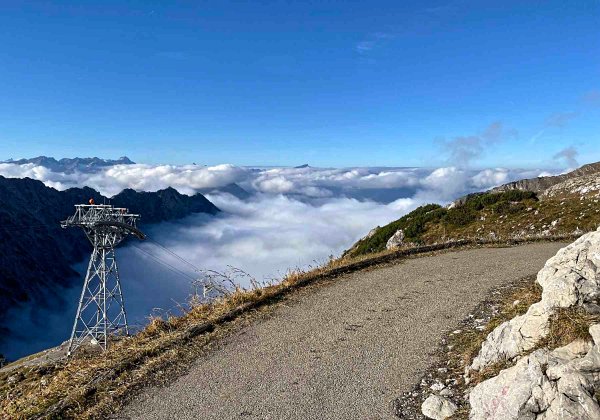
443	184
295	218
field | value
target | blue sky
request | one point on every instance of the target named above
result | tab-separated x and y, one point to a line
395	83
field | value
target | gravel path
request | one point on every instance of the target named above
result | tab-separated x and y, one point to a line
343	350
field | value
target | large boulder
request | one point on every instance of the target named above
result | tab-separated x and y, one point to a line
571	277
396	240
544	385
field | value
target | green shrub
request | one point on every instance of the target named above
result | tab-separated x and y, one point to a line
481	201
413	225
507	207
460	216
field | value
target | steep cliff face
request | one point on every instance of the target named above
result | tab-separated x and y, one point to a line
36	254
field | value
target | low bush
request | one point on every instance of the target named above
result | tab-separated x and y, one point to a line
460	216
413	225
481	201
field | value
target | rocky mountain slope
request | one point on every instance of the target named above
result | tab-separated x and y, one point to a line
541	184
36	254
541	207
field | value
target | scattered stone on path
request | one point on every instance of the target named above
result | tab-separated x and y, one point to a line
438	408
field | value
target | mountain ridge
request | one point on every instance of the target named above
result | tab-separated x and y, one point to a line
70	165
36	254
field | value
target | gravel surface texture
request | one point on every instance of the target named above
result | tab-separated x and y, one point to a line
342	350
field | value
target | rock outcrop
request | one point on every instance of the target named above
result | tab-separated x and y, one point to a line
396	240
546	384
571	277
583	185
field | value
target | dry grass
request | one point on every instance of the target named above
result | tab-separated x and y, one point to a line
568	325
89	385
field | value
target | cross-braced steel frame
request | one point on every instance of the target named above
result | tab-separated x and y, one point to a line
101	311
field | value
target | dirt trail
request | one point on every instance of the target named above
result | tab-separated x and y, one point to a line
343	350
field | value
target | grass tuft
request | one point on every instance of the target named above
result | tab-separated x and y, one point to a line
568	325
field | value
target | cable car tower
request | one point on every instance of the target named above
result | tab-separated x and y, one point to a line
101	310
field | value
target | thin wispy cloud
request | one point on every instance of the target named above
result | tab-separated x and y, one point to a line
365	46
463	150
560	119
556	120
373	41
438	10
569	156
537	136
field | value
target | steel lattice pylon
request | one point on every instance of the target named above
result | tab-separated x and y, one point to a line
101	310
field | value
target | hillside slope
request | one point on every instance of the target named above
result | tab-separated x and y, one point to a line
36	254
542	207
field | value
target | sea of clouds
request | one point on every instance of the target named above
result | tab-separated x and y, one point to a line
294	218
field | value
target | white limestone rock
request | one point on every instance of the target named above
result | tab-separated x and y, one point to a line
544	385
571	277
371	233
438	408
396	240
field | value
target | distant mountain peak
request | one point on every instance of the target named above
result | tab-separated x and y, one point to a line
233	189
306	165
